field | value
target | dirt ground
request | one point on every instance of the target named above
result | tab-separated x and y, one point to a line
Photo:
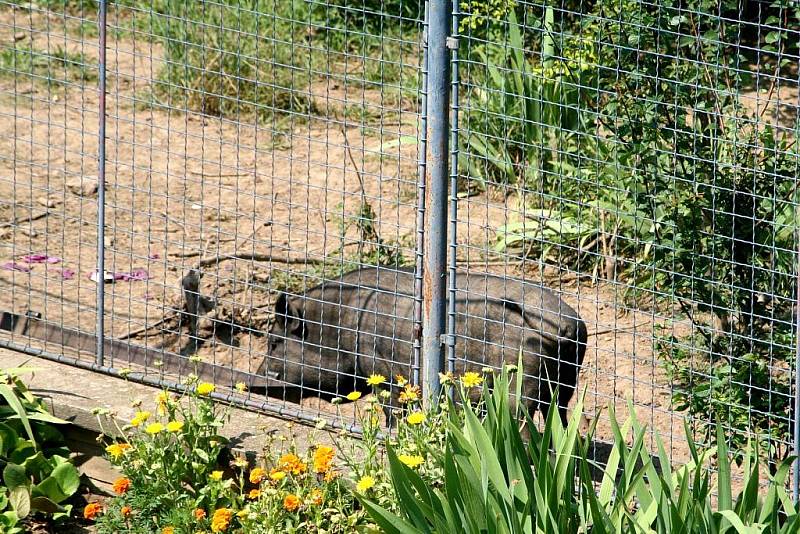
181	187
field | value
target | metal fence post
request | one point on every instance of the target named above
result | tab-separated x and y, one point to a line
434	272
453	241
101	186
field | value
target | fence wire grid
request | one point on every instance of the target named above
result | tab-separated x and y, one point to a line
306	193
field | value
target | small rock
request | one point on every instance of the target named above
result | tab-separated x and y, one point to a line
30	232
47	202
20	36
82	186
109	241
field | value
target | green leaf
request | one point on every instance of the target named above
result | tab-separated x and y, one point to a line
43	504
14	476
20	499
13	401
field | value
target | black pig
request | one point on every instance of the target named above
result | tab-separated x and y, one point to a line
343	330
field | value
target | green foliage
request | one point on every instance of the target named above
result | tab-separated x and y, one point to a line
37	474
58	67
495	482
637	158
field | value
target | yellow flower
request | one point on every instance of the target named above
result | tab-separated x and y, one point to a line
471	379
323	458
446	378
277	475
401	380
291	502
175	426
254	494
140	418
215	475
376	380
415	418
411	461
257	475
206	388
409	394
221	520
364	484
163	397
117	449
168	530
241	514
354	396
241	387
316	497
154	428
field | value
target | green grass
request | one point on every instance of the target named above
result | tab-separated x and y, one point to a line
58	67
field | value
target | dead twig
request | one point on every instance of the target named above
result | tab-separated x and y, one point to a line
32	217
255	256
147	327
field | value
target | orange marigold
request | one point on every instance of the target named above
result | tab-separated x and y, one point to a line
330	476
316	497
168	530
291	463
125	511
323	458
257	475
92	510
199	514
291	502
121	486
254	494
221	520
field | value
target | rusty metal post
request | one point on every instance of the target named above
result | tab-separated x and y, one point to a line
101	187
434	268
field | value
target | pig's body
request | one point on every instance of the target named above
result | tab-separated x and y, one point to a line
344	330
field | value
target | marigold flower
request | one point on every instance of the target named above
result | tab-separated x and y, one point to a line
215	475
221	520
292	464
115	450
206	388
415	418
375	380
154	428
316	497
125	511
276	475
354	395
291	502
471	379
401	380
412	461
364	484
330	476
409	394
323	458
140	418
92	510
257	475
254	494
199	514
121	486
168	530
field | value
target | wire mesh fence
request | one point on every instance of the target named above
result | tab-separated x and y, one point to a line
611	186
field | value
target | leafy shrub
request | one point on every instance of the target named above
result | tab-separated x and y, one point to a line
638	160
37	474
495	482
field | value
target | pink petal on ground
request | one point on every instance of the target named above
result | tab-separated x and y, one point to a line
153	256
67	274
40	258
138	274
14	266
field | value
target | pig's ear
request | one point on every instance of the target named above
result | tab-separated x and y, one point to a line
288	315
